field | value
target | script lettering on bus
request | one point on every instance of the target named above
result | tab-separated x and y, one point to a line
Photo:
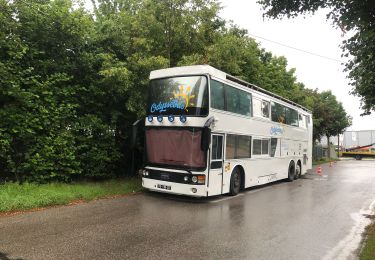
181	100
162	107
276	130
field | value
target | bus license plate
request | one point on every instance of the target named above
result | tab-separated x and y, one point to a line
165	187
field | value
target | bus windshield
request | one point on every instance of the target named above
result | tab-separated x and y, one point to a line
178	96
180	148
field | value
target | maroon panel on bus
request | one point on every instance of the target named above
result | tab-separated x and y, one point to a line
175	147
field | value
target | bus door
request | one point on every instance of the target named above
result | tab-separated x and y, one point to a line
215	179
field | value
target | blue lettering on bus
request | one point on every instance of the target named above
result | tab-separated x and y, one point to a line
276	130
162	107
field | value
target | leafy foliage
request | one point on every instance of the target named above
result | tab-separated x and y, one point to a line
72	82
356	15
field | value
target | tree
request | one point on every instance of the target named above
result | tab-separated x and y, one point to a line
335	120
73	82
357	16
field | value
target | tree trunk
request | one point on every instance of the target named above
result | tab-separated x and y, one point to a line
328	147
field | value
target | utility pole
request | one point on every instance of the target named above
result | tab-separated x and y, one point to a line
338	145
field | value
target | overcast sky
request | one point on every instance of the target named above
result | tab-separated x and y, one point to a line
313	34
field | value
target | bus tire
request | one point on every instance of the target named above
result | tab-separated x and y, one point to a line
358	157
291	171
235	182
298	171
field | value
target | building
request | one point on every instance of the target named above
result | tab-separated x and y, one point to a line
351	139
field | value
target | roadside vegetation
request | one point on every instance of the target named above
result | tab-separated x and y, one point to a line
368	249
73	80
16	197
324	160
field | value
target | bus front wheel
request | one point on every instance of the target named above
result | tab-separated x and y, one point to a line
235	182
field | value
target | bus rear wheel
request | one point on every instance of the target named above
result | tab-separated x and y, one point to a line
235	182
291	171
298	170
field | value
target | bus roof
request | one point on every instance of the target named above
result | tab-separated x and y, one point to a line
207	69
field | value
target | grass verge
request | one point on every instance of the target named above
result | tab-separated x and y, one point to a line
368	248
324	160
15	197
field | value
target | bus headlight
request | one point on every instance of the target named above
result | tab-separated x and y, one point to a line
145	172
199	179
150	118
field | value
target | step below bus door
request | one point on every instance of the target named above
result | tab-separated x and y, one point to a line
215	179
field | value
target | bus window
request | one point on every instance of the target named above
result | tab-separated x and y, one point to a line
277	113
243	146
238	146
291	116
307	121
185	95
217	95
273	146
265	109
265	146
261	146
261	108
217	145
230	147
238	101
257	146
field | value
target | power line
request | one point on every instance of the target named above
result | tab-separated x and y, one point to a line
295	48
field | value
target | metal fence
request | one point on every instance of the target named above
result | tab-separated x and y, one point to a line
320	152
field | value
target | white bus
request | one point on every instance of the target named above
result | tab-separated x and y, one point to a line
209	133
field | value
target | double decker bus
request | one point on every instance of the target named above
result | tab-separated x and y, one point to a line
208	133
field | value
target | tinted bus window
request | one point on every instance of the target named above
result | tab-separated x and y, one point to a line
217	95
238	146
265	109
227	98
273	146
277	113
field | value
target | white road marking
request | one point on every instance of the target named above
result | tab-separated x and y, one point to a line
240	195
346	247
227	198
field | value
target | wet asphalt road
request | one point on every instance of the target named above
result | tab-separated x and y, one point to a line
311	218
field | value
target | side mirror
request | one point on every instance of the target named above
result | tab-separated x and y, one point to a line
206	138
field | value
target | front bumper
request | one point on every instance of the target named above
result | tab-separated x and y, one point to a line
175	188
